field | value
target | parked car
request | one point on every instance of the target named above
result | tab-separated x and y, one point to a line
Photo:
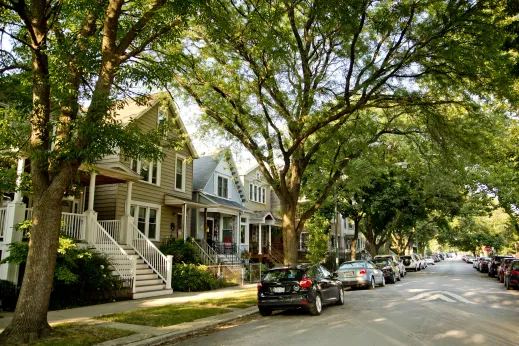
307	286
496	261
429	260
483	264
502	267
469	258
512	275
475	263
436	258
411	262
422	261
389	268
397	260
360	274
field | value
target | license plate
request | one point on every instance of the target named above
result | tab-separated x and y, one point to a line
348	274
278	289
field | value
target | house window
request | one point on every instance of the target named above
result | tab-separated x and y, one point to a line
147	220
223	187
257	193
148	170
227	230
243	228
162	116
180	173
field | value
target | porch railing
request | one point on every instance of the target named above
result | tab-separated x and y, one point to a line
73	225
229	251
276	256
3	220
205	258
121	262
161	264
28	213
113	227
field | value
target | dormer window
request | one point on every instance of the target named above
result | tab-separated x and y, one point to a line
257	193
162	116
223	187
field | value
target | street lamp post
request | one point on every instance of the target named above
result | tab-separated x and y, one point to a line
336	226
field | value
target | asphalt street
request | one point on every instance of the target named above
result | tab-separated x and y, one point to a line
449	303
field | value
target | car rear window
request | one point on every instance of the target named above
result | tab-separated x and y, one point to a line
284	275
353	265
405	257
380	261
515	265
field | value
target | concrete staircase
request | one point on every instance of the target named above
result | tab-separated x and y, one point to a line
148	283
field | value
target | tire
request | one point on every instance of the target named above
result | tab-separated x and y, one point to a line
383	284
265	311
340	300
399	277
501	279
418	269
317	307
393	279
507	285
372	284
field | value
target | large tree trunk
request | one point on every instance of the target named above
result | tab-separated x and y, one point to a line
289	235
353	253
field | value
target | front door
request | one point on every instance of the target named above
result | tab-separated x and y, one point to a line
210	228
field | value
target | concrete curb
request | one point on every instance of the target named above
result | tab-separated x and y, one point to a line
181	330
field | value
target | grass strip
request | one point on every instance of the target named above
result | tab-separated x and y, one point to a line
239	300
75	334
164	315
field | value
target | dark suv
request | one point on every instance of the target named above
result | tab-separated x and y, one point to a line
307	286
496	262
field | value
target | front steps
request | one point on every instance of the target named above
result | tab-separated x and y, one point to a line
148	283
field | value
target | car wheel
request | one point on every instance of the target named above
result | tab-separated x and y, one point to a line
418	269
340	300
501	279
317	306
399	277
393	278
372	283
507	284
265	311
383	284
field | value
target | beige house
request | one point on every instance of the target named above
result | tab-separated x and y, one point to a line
161	199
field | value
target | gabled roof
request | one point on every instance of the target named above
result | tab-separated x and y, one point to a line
133	110
204	166
224	202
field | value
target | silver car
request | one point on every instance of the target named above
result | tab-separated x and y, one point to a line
360	274
397	260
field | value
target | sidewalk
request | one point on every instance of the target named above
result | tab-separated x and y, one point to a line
147	335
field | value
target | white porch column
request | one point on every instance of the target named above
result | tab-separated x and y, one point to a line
260	245
15	214
19	172
184	221
91	191
247	240
127	220
90	214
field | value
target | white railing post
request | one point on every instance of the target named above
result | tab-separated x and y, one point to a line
169	271
14	214
90	226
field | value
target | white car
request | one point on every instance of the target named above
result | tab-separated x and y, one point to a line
429	260
411	262
397	260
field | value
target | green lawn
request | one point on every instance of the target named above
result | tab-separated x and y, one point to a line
241	300
74	334
163	316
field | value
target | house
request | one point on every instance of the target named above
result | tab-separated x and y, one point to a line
265	241
126	207
345	234
222	225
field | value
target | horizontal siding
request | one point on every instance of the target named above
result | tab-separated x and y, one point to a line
105	201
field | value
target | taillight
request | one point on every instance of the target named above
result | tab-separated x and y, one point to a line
362	271
260	284
514	272
336	273
305	282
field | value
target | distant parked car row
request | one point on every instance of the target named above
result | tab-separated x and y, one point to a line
312	286
503	267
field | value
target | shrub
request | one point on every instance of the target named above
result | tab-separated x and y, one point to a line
182	251
190	277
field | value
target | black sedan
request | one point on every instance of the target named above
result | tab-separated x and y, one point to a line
307	286
389	268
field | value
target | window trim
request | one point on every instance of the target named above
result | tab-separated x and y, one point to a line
166	114
257	193
150	168
217	176
183	158
148	205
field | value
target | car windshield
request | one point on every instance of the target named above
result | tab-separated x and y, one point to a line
284	275
381	261
487	259
405	257
348	265
515	265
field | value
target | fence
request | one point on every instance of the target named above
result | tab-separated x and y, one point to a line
113	227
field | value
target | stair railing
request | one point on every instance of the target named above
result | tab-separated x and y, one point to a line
121	262
276	255
162	265
209	250
204	256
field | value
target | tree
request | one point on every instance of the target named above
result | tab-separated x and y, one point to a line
318	236
294	81
68	66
